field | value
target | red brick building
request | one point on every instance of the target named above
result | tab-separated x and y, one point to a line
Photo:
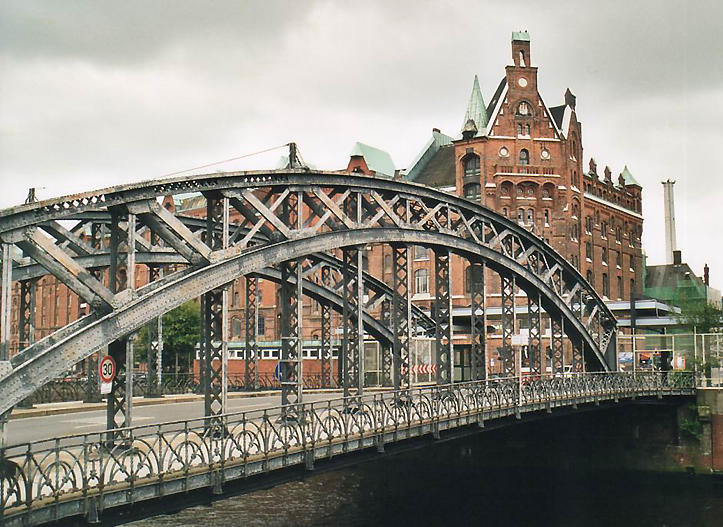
515	155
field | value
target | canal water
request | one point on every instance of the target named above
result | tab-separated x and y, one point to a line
526	475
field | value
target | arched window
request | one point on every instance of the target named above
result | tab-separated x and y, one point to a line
524	157
471	168
472	190
421	281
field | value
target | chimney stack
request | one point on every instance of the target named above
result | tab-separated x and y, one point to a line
706	274
670	244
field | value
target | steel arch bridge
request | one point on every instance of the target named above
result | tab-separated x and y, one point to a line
292	224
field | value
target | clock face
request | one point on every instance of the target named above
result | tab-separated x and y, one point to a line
522	82
545	154
504	152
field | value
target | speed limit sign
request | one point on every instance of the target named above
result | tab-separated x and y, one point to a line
107	369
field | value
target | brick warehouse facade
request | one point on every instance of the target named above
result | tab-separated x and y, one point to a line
516	156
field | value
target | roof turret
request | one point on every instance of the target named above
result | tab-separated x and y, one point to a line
476	110
628	177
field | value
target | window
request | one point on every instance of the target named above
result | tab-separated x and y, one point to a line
421	253
588	224
632	267
520	215
547	217
262	325
471	168
589	277
472	190
575	209
468	279
546	192
524	157
618	235
604	255
605	285
604	229
235	327
388	263
519	128
527	129
421	281
618	259
620	287
236	301
588	251
504	211
530	216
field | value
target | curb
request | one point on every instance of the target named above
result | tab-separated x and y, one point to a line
79	406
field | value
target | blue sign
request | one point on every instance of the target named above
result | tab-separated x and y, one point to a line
277	372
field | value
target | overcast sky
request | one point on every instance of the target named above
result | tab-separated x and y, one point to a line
98	93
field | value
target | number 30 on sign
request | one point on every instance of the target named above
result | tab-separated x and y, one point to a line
107	370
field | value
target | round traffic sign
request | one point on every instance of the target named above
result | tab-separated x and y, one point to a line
107	369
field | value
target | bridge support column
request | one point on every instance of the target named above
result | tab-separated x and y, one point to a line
578	365
92	387
536	357
443	317
478	322
214	314
509	319
291	340
26	323
122	276
401	318
325	352
558	355
6	295
154	358
251	355
353	348
387	354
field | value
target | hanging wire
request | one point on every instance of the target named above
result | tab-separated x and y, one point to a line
226	160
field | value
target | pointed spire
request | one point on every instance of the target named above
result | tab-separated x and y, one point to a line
476	109
628	177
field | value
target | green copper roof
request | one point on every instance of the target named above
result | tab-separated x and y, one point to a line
521	35
377	160
476	109
628	177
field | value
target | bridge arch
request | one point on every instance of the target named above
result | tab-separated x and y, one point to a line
342	211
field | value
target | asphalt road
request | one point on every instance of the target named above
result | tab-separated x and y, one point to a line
45	427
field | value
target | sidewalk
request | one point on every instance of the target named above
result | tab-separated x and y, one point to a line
70	407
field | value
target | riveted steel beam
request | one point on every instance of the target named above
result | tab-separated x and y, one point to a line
326	352
251	355
6	296
536	357
401	319
509	323
443	316
557	334
478	321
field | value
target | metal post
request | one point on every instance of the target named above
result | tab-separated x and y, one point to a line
577	356
443	317
508	324
92	388
535	353
325	351
478	322
6	295
122	276
155	346
214	309
352	306
291	335
26	320
558	352
387	353
401	317
251	357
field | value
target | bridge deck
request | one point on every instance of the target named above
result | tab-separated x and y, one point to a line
84	475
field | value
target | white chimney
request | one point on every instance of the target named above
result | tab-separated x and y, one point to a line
670	244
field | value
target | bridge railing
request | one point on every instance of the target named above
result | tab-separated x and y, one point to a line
84	474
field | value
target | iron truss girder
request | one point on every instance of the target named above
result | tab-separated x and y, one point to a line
478	322
443	316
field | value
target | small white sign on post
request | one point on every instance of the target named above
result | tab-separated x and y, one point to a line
105	387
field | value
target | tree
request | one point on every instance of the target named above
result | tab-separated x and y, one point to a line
703	317
181	334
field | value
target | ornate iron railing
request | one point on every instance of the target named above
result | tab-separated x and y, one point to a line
86	474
